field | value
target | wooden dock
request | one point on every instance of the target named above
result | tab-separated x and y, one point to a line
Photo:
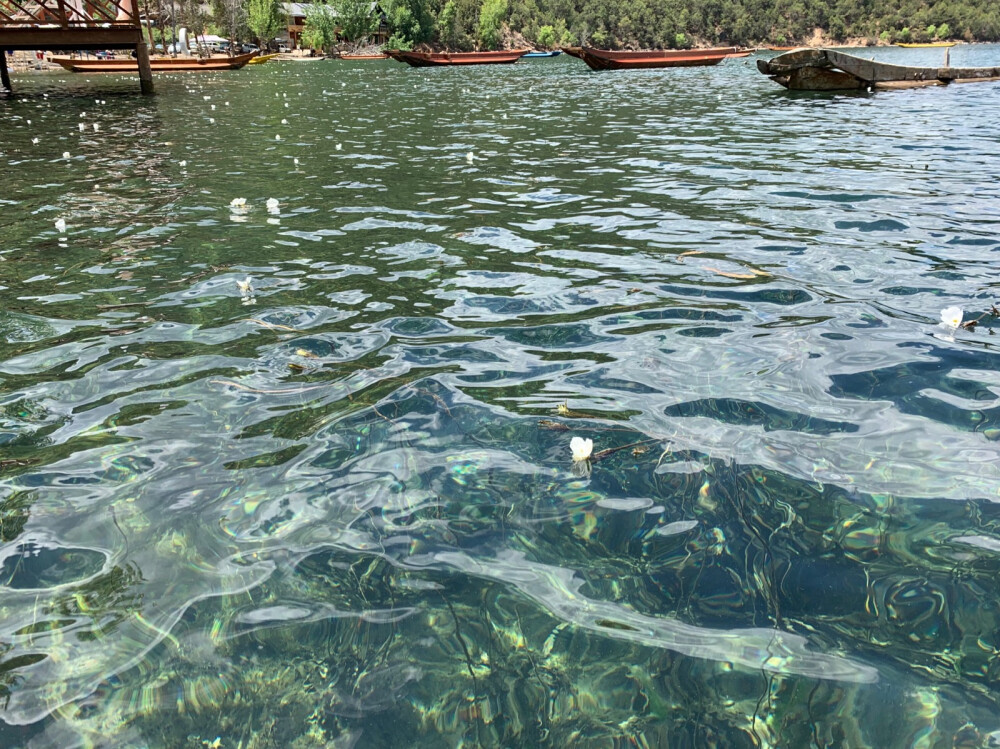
72	25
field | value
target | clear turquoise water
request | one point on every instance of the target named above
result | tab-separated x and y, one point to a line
339	507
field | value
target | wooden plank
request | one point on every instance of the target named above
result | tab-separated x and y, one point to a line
115	37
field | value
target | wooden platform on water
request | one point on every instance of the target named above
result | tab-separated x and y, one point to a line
73	25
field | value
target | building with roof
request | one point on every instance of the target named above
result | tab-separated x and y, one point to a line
296	13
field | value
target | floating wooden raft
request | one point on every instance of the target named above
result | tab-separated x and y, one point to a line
829	70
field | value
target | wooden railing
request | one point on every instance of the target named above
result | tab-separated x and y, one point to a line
68	14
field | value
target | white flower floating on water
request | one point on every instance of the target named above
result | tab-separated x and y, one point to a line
470	157
183	163
582	448
951	316
238	203
65	154
34	141
96	127
246	289
272	205
284	122
61	225
277	137
81	126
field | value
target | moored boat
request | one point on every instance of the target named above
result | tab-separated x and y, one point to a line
576	52
261	59
435	59
157	64
379	56
927	44
603	59
741	53
544	53
830	70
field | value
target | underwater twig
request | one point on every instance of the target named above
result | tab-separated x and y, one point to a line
270	325
105	307
468	660
261	391
437	398
602	454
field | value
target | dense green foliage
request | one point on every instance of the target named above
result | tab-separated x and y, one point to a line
320	31
266	19
465	24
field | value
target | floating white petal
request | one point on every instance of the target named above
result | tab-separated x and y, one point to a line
582	448
238	202
470	157
60	225
952	316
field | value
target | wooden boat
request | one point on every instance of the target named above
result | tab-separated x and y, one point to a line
741	53
434	59
576	52
534	55
261	59
830	70
927	44
379	56
158	64
602	59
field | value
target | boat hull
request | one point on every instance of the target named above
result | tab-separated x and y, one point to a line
538	55
601	59
363	57
830	70
437	59
157	64
928	44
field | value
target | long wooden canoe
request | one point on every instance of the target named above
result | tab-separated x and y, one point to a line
830	70
380	56
927	44
434	59
158	64
603	59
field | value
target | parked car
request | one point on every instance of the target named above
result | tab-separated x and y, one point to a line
246	48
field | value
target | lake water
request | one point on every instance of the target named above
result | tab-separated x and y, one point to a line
301	476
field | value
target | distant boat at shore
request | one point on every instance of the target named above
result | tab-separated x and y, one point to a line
157	64
261	59
927	44
603	59
379	56
435	59
547	53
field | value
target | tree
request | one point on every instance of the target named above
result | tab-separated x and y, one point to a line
320	30
410	21
447	25
265	19
546	37
355	18
490	20
943	31
231	17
